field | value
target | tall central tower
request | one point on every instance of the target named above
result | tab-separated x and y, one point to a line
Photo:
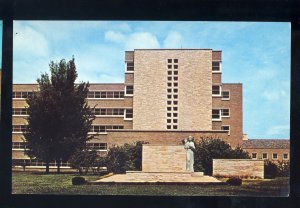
172	89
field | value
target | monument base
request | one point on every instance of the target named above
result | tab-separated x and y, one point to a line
178	178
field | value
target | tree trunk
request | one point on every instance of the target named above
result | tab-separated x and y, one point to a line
47	167
58	167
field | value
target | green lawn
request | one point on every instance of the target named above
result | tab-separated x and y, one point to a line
39	183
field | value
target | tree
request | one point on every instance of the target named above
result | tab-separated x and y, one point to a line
84	160
127	157
59	117
208	149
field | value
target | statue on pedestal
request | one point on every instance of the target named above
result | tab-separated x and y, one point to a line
190	148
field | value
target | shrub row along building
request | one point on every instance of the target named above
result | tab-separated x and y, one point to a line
167	96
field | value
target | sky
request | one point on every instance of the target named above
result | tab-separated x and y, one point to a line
254	54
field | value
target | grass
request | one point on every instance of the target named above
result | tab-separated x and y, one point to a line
40	183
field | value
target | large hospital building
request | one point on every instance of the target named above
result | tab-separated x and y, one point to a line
168	94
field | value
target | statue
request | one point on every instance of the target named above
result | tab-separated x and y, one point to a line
190	148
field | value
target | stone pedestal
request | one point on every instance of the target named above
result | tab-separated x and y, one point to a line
162	158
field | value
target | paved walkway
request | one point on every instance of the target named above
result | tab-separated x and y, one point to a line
133	177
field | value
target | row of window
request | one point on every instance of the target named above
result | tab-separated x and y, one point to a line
19	111
105	94
173	63
127	113
19	128
96	111
218	114
254	155
92	146
96	146
217	92
94	129
34	162
22	94
104	128
91	94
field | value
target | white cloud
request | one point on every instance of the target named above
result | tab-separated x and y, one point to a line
27	42
116	37
173	40
141	40
274	95
278	130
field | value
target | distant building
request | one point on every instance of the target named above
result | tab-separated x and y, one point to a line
268	149
167	96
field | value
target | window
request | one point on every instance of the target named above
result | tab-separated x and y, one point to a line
169	108
254	155
96	146
168	126
175	60
264	155
175	120
226	128
109	94
225	95
19	128
103	128
22	95
19	111
19	145
175	66
169	66
98	94
216	90
129	114
169	60
216	115
225	112
275	156
104	95
169	120
129	90
169	72
175	84
129	66
216	66
174	126
285	156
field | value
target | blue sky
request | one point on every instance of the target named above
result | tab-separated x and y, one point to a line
255	54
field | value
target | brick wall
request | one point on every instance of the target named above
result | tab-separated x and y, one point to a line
238	167
150	93
162	158
235	104
120	137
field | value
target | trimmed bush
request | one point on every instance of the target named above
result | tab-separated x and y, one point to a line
234	181
78	180
271	169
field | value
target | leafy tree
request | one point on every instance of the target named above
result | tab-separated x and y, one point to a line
127	157
59	117
84	160
208	149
